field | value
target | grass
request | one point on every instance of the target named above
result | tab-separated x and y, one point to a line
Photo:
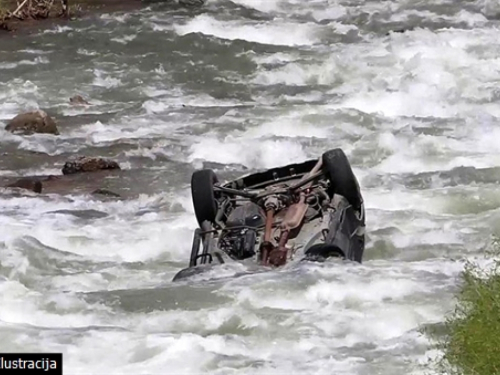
471	344
3	6
3	13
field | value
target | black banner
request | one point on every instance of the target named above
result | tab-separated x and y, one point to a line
31	363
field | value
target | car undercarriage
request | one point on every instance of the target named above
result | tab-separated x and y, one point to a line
314	207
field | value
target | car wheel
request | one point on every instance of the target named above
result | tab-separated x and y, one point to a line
202	192
322	251
338	170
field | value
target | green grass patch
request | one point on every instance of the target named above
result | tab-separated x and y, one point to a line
471	338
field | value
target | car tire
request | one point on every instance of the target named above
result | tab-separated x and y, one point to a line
338	170
322	251
202	192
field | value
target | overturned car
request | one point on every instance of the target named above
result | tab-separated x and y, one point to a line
312	209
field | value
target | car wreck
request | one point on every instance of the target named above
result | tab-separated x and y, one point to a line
312	210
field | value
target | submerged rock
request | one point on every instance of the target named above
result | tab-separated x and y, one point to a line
82	214
106	193
28	183
78	100
87	164
32	122
191	3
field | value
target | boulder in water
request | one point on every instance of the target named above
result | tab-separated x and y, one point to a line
32	122
87	164
28	183
78	100
106	193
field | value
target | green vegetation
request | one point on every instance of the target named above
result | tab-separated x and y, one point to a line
6	6
471	345
4	11
5	15
3	6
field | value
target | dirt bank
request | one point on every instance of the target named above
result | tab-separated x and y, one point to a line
78	9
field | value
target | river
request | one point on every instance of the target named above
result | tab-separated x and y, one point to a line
239	86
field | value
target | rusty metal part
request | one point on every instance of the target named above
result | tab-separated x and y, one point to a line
267	246
278	256
293	218
269	225
272	203
295	214
265	249
283	239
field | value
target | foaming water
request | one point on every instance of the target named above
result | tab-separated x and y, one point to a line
261	5
241	86
279	32
256	154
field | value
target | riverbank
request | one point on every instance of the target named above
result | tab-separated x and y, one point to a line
77	9
472	337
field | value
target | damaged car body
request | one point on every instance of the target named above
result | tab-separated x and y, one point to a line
314	208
